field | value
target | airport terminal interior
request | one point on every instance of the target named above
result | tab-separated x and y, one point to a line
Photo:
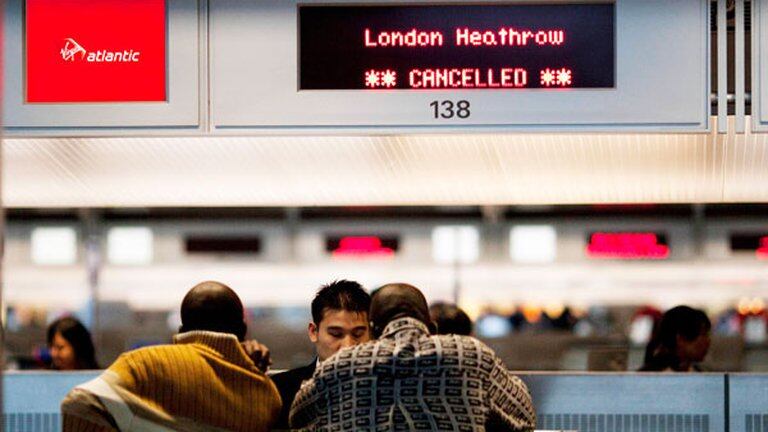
565	172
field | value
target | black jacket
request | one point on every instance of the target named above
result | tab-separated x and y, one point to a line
288	384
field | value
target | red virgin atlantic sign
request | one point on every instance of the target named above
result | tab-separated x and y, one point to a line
95	51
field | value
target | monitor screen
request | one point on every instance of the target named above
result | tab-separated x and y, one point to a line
457	46
627	245
362	246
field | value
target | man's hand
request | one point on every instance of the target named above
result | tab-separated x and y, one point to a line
258	353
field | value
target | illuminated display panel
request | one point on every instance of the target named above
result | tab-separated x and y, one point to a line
95	51
750	242
627	245
362	246
488	46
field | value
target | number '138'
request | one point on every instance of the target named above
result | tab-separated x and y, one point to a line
449	109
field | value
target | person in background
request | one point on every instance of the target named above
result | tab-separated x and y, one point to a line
410	379
450	319
339	320
208	379
680	343
70	345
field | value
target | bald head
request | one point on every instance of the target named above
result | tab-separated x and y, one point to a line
213	306
398	300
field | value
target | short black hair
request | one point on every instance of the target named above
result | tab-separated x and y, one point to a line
213	306
340	295
450	319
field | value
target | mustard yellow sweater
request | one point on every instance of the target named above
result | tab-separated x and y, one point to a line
205	381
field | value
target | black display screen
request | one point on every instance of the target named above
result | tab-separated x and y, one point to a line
478	46
748	241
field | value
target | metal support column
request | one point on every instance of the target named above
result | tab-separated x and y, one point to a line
89	221
722	67
740	72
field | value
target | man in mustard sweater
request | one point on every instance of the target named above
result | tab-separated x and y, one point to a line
204	381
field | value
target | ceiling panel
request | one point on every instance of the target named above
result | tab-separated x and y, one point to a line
457	169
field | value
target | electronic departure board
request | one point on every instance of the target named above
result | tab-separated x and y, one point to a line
760	66
363	66
628	245
362	246
466	46
756	243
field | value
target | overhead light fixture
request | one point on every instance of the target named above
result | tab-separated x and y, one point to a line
455	244
54	246
130	245
533	244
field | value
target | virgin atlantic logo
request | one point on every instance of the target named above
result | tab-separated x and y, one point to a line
73	51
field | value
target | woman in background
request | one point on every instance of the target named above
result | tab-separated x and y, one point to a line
71	345
680	342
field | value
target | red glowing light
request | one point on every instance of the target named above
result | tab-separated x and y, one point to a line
762	251
626	246
361	247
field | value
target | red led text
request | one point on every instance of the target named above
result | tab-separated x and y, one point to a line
464	37
413	38
380	79
508	37
467	78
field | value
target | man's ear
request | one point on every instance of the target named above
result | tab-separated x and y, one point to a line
312	330
432	326
242	331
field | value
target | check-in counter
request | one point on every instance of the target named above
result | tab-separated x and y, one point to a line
748	402
587	402
31	399
621	402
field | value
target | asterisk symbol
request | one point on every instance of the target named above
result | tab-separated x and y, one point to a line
547	77
389	78
372	79
564	77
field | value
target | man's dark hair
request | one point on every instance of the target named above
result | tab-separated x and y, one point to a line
398	300
340	295
450	319
213	306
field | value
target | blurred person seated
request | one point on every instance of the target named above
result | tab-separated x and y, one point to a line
680	342
409	379
70	345
206	380
450	319
339	320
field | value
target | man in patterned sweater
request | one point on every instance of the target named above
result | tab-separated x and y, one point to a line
208	380
409	380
